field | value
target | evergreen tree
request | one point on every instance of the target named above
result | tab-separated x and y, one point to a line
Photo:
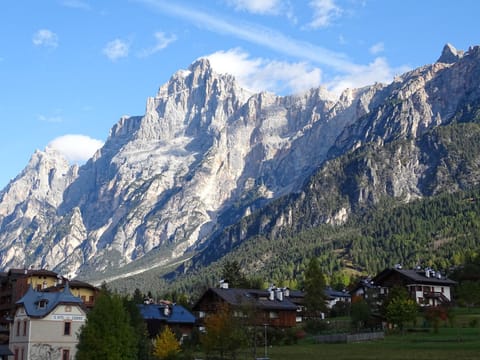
314	286
107	333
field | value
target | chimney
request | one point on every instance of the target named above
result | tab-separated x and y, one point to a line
223	284
286	292
279	294
271	294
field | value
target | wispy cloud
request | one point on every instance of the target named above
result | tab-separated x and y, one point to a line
258	35
377	71
76	148
346	73
257	6
162	41
259	74
50	119
377	48
76	4
45	38
324	12
116	49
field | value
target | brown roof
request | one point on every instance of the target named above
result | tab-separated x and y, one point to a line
238	297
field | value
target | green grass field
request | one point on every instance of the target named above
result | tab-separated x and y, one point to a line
449	343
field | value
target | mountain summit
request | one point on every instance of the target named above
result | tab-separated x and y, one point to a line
208	153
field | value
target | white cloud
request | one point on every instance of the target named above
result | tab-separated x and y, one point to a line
377	48
257	6
258	35
162	41
46	38
76	148
377	71
76	4
116	49
50	119
259	74
324	12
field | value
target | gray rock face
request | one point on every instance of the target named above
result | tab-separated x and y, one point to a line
450	54
205	154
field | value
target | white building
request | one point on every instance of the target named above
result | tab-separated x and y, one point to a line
46	325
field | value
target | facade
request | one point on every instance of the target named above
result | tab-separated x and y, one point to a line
46	324
166	313
426	286
271	307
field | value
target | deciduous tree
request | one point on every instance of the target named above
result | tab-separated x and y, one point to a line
166	345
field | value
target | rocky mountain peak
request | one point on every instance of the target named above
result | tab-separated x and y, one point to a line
450	54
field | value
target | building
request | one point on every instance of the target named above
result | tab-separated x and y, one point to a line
428	287
166	313
85	291
46	324
14	284
332	297
271	307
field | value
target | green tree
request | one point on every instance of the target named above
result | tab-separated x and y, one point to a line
143	345
107	333
232	272
468	293
360	313
401	310
166	346
314	286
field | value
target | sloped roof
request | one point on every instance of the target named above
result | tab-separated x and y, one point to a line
331	293
414	277
32	299
259	298
177	313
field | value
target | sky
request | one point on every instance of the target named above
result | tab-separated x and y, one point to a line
69	69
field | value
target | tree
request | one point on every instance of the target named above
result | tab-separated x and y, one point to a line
314	286
401	310
232	272
107	333
166	346
360	313
139	326
223	333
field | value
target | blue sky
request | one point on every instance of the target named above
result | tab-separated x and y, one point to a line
74	67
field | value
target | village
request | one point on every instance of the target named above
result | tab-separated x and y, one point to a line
42	313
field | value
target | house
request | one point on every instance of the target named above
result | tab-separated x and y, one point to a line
428	287
332	297
166	313
85	291
272	307
13	285
45	325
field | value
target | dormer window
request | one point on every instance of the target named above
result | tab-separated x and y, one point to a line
42	304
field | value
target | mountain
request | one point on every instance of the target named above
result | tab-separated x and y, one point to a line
211	165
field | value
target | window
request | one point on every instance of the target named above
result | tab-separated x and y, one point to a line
65	354
90	299
18	328
25	327
273	315
17	353
23	354
67	328
83	298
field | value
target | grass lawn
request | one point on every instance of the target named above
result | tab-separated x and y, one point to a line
449	343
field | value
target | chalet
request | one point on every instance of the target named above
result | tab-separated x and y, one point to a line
46	324
166	313
426	286
332	297
272	306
